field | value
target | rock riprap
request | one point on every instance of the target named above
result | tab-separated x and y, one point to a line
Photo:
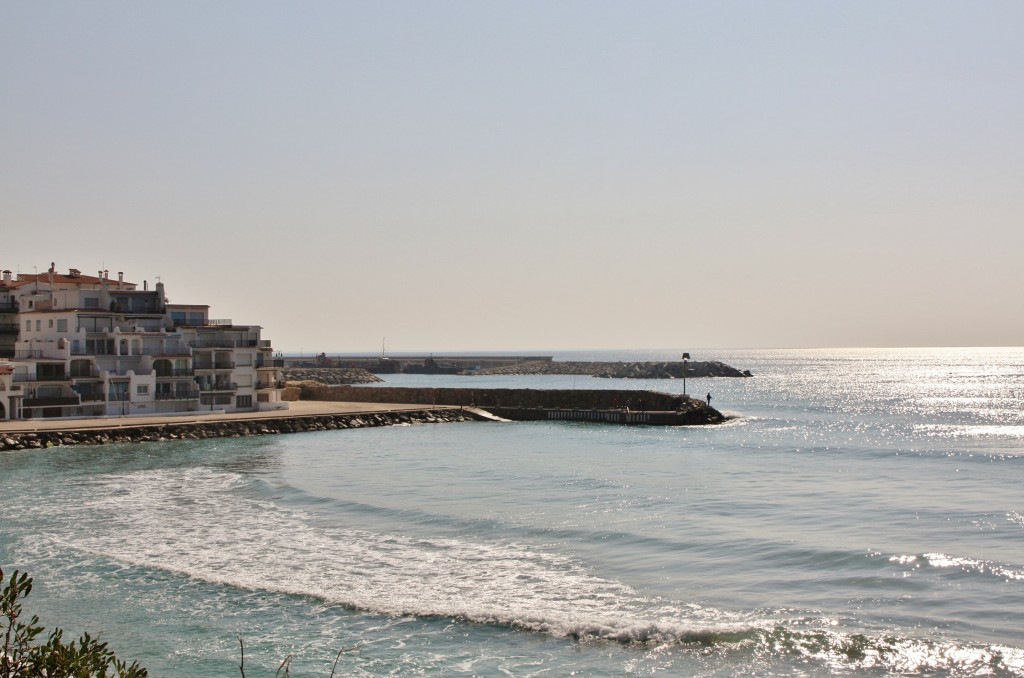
332	376
227	429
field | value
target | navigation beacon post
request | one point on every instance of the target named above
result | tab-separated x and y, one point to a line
686	356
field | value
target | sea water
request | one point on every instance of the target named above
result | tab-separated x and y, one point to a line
863	514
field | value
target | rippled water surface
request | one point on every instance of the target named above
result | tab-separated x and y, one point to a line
863	514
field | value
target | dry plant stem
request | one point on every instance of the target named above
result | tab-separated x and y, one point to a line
284	665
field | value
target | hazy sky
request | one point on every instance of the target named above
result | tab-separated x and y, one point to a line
530	175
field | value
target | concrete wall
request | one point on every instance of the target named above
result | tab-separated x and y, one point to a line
596	399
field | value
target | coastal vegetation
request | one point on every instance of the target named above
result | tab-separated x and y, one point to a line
23	654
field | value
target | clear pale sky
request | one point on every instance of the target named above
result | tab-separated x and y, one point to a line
530	175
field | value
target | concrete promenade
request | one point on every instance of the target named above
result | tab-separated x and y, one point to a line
297	409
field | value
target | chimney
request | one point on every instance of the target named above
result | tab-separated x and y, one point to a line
7	275
145	285
106	274
120	278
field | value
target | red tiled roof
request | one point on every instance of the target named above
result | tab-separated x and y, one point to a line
24	278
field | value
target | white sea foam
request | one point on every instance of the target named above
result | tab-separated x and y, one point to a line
200	523
205	524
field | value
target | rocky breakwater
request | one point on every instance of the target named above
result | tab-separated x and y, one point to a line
621	370
237	428
332	376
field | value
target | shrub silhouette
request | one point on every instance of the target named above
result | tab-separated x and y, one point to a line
23	655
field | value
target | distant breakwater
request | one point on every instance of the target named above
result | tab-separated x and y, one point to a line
236	428
665	369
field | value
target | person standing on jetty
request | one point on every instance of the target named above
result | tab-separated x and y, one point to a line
709	398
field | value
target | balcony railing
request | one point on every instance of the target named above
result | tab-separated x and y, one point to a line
173	351
215	343
219	386
49	402
220	365
9	328
32	353
168	374
6	306
178	395
35	377
92	397
92	373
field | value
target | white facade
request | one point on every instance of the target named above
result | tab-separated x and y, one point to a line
89	347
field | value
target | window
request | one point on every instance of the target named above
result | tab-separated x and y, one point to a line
142	389
50	325
62	325
39	325
243	401
28	325
91	302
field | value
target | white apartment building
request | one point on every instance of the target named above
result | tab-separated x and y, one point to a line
91	347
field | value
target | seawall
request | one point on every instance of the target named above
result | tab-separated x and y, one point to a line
525	403
232	428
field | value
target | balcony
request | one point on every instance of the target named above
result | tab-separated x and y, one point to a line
92	398
9	328
8	306
91	373
270	384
